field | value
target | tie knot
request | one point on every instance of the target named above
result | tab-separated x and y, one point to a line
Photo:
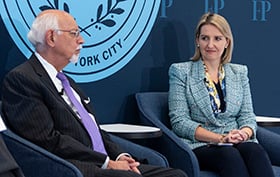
61	76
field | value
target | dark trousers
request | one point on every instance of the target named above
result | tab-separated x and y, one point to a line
146	171
244	160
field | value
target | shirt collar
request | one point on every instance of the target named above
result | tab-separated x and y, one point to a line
52	72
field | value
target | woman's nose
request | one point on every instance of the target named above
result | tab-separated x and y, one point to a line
210	43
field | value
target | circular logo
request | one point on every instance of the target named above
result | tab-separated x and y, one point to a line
113	30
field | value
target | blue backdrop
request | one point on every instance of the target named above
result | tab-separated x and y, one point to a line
256	33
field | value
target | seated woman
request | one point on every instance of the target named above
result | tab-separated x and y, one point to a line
211	106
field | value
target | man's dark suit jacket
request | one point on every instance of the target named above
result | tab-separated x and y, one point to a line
34	109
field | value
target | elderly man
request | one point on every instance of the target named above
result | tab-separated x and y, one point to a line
44	106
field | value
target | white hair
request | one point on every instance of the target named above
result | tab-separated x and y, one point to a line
40	26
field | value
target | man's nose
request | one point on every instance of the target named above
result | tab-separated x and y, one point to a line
81	40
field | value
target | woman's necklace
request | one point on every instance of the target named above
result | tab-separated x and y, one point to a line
214	96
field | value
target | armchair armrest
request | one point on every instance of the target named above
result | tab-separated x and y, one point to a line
153	157
271	143
35	161
171	144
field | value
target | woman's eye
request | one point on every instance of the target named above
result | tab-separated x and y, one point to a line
204	38
218	38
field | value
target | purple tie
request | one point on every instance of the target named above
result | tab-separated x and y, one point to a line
85	117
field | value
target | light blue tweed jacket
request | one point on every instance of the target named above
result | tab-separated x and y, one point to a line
190	107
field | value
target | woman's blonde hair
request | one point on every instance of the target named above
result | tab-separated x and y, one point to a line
221	23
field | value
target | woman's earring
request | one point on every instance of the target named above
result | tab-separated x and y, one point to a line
197	45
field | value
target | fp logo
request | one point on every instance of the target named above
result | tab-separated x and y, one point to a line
114	30
214	5
260	9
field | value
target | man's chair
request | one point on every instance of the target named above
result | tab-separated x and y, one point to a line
38	162
153	111
35	161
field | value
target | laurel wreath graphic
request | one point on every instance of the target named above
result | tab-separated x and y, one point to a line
106	20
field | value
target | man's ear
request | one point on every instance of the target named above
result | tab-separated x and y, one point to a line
50	38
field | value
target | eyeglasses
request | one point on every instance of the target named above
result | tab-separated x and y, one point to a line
74	33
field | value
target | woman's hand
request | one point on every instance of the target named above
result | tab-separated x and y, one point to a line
236	136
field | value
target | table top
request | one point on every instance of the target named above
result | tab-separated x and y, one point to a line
267	121
130	131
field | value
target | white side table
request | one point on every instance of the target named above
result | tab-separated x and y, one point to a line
266	121
130	131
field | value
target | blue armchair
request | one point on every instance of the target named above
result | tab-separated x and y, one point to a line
153	111
38	162
35	161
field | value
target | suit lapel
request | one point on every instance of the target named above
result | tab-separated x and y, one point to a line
199	90
46	80
84	100
41	72
232	87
